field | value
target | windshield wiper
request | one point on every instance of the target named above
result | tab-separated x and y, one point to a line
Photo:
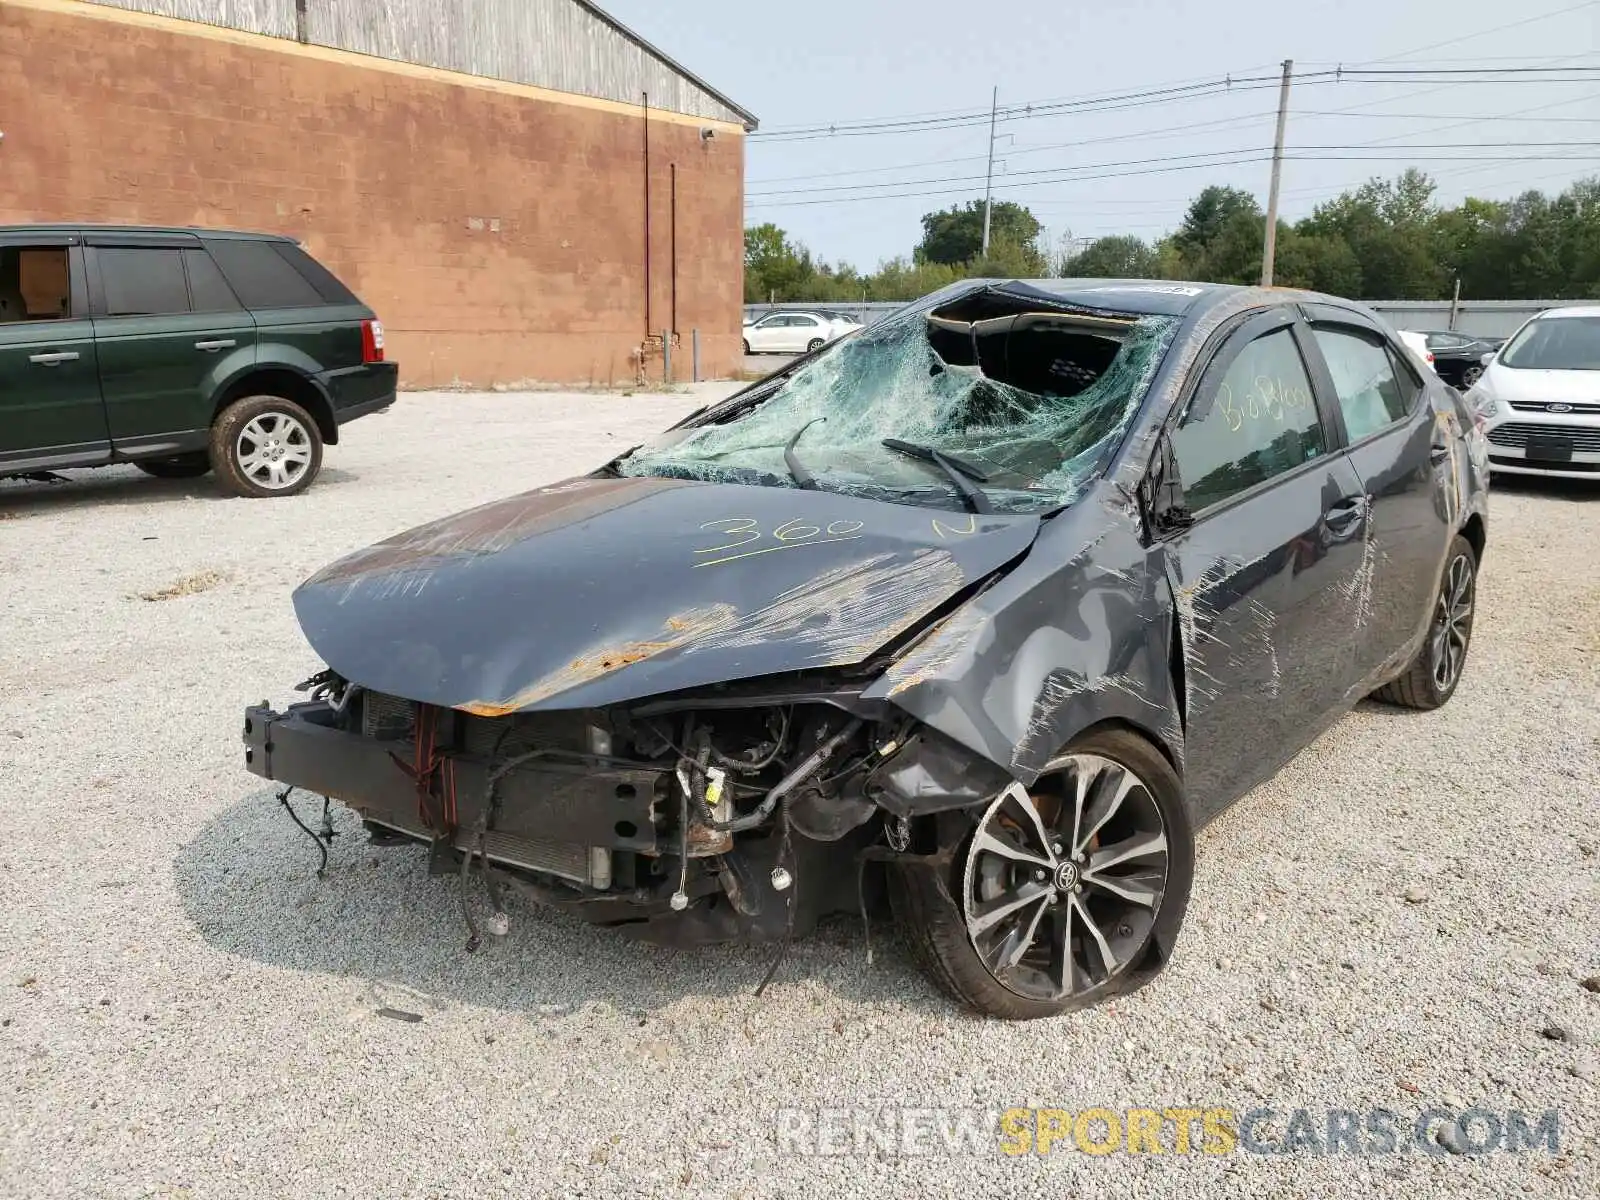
961	471
797	469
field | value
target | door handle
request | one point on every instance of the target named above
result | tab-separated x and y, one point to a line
213	347
1344	513
54	359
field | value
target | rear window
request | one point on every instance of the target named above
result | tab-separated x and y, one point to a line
276	275
324	280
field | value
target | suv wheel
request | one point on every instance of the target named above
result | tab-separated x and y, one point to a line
265	446
1061	895
179	466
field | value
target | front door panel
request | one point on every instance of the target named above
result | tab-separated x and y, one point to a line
1265	580
1265	593
49	391
50	409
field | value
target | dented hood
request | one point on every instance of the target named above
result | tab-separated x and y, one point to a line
596	591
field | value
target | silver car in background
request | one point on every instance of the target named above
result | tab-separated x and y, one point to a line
1539	397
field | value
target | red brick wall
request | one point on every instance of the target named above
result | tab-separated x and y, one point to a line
396	179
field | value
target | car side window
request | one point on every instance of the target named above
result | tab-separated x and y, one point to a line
260	276
35	284
208	291
1260	423
143	280
1364	380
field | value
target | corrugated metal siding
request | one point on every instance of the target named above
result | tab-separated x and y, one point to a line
275	18
548	43
554	44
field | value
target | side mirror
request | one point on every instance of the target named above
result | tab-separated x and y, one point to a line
1488	358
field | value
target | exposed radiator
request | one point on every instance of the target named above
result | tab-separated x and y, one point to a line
387	718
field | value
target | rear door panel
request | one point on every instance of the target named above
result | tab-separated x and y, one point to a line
1404	466
160	371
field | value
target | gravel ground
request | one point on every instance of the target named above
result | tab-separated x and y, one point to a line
1403	918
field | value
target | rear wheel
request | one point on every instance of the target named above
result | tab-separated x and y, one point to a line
265	446
1432	676
746	347
1471	376
179	466
814	345
1063	894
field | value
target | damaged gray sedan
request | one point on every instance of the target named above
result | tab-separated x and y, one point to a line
984	609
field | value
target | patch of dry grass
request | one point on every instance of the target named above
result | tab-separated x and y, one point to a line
188	585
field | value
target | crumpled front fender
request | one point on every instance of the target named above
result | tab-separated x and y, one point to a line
1066	640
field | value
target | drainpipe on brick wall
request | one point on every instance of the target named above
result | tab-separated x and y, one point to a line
674	242
301	33
647	313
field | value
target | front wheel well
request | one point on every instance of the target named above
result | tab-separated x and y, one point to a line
291	386
1168	752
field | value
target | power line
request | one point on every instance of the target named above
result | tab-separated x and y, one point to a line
1002	176
1468	37
1480	74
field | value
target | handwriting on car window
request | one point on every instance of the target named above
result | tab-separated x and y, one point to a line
741	532
1268	398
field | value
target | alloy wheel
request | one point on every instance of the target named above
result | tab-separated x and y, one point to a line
274	450
1452	622
1471	376
1062	885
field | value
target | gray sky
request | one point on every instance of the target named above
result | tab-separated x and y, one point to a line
826	61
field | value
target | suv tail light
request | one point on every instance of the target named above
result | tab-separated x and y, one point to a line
372	341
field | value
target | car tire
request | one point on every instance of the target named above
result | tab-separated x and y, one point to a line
931	897
1470	376
179	466
265	446
813	345
746	346
1428	680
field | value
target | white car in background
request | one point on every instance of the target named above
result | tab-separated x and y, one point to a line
795	331
1539	396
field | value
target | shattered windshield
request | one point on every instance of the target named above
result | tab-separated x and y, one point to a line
1023	404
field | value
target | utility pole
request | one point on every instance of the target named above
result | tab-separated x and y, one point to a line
988	182
1270	247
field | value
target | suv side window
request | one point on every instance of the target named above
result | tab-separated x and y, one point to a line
260	276
35	284
1261	423
142	280
1364	379
208	291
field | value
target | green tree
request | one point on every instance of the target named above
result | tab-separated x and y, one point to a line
1119	257
1217	218
955	236
1316	262
774	267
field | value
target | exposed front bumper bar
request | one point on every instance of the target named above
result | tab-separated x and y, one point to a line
561	819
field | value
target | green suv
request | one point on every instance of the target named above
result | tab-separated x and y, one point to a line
181	351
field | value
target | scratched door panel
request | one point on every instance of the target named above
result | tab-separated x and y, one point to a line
1262	593
1389	422
1409	535
1265	581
